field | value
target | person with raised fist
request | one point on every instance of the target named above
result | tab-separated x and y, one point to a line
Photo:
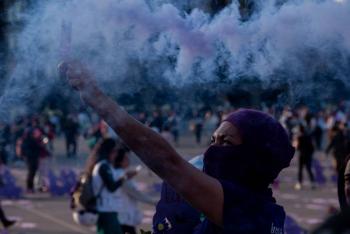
247	152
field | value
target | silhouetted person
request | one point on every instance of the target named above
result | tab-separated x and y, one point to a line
173	122
347	137
306	150
71	132
30	147
340	223
4	220
5	139
198	128
157	121
318	134
344	185
338	146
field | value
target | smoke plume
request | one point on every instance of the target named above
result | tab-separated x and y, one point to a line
301	44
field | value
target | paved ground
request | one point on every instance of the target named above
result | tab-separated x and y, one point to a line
42	214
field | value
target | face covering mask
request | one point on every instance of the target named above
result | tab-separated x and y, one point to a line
228	163
238	164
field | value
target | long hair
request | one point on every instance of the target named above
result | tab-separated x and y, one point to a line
100	152
103	149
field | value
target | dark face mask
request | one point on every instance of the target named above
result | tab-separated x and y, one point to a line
237	164
228	163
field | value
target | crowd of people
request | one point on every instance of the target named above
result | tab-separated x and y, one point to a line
246	153
325	131
32	140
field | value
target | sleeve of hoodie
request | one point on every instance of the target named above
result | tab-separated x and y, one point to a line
108	180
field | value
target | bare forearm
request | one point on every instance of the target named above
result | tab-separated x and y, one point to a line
152	149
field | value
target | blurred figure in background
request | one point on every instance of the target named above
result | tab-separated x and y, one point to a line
173	123
4	220
305	148
30	146
340	223
347	137
317	134
17	130
157	121
337	145
44	164
5	140
128	196
106	183
210	124
286	119
50	132
198	127
98	131
71	132
344	185
84	122
347	182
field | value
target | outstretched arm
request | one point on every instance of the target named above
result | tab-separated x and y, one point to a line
200	190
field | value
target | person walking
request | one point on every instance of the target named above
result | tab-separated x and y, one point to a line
337	145
30	146
71	131
306	150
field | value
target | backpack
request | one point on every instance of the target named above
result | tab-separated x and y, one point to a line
84	201
83	194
